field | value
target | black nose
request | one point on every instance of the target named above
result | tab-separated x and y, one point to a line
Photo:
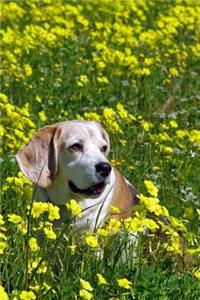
103	168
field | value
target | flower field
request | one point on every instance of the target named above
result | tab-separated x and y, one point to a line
134	66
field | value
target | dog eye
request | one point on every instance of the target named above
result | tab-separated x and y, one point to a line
76	147
104	148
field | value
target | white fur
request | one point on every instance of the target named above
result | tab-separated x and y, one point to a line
79	167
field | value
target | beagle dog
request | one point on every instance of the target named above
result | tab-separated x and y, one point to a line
68	160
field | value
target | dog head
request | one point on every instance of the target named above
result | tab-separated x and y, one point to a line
76	151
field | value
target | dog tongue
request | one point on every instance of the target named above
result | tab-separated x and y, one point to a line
97	188
96	191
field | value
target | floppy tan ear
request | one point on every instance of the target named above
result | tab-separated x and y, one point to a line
38	160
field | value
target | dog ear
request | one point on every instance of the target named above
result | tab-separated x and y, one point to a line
38	160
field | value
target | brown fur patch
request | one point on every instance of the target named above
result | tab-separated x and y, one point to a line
38	159
124	197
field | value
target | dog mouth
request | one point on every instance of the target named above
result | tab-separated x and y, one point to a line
94	190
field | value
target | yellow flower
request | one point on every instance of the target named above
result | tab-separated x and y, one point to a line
3	97
53	211
139	222
92	116
50	234
20	223
33	244
124	283
42	116
28	70
133	225
83	21
164	126
151	188
175	223
182	133
25	295
164	227
197	274
100	65
83	80
165	211
22	227
42	207
3	236
85	295
174	238
2	222
2	131
195	136
193	251
173	72
113	226
103	232
18	133
109	119
101	279
143	71
86	285
46	286
3	294
152	204
102	79
91	241
146	125
38	98
151	224
148	61
164	137
37	287
173	124
166	149
16	219
3	246
74	208
38	209
34	264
